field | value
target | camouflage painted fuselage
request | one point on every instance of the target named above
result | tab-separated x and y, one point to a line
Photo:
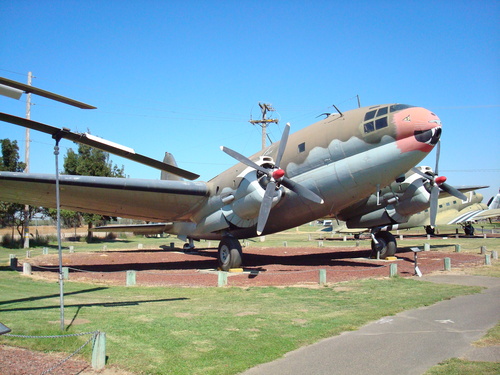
342	158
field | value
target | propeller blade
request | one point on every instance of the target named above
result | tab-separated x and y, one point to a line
434	205
419	172
301	190
243	159
453	191
265	207
284	139
438	152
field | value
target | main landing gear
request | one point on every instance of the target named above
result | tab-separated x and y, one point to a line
384	244
230	254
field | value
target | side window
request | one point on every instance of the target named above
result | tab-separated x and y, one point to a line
302	147
369	127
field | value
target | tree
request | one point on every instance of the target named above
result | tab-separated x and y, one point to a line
13	214
90	162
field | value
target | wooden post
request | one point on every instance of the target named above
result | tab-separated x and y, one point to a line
65	272
393	270
131	279
99	351
458	248
447	264
222	279
322	276
26	269
487	259
13	261
427	247
45	251
483	250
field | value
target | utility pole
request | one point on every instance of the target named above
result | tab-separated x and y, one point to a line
263	122
27	162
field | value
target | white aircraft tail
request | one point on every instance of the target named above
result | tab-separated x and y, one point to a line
494	202
170	160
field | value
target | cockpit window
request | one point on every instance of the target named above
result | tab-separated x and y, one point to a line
369	115
399	107
382	111
380	121
369	127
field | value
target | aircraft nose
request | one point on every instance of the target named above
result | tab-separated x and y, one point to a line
417	129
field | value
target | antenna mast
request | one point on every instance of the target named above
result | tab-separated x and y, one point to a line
264	121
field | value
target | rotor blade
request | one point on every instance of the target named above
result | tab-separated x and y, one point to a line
438	152
46	94
284	139
434	205
301	190
451	190
96	142
265	207
243	159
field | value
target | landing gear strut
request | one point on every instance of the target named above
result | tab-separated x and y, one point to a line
385	244
230	254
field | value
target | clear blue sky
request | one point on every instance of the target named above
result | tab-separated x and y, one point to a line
185	76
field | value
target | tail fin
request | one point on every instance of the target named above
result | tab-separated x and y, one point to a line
169	159
494	202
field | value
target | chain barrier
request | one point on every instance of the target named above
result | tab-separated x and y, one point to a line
64	360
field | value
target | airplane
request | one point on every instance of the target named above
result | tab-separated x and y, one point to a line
315	172
404	205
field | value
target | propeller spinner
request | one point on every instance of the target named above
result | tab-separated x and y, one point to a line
276	177
438	183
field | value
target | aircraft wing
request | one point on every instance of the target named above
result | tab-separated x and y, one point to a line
153	228
150	200
476	215
463	189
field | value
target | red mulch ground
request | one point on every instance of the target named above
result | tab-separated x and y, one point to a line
279	266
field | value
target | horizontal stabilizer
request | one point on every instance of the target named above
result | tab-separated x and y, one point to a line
96	142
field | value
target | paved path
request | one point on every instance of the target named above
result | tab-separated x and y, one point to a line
408	343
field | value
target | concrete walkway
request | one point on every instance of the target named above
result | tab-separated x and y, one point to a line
408	343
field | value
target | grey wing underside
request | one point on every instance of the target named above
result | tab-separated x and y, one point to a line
150	200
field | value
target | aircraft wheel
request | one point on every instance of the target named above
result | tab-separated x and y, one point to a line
386	244
230	254
430	230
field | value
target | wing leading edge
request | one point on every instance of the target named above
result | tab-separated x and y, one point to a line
151	200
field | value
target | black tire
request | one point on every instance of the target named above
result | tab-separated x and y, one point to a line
386	245
229	254
430	230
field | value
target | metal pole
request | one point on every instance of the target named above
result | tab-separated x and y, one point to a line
27	168
58	203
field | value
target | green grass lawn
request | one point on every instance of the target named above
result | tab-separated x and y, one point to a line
157	330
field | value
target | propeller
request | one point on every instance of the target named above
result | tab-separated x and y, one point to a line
276	177
438	183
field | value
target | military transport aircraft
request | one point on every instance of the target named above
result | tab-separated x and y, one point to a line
407	204
317	171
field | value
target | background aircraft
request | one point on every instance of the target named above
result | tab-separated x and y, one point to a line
318	171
